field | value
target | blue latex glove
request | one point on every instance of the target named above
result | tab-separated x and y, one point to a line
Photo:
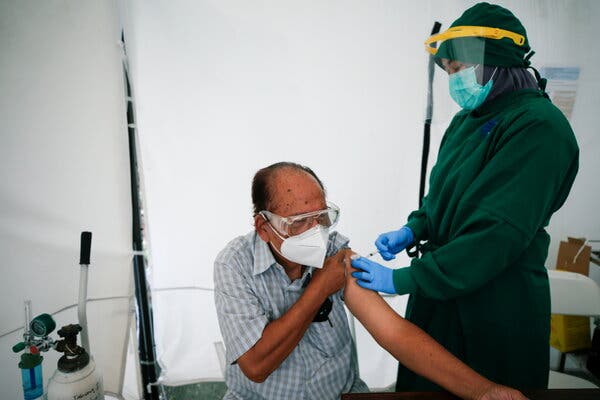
373	276
391	243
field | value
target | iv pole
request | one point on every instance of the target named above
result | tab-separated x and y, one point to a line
414	251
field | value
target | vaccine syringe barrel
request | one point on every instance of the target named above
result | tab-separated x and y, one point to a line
86	246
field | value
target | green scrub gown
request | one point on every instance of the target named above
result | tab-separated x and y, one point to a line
482	287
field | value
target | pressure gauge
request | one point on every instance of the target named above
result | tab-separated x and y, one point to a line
42	325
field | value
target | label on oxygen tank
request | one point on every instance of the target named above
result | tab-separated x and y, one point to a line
94	393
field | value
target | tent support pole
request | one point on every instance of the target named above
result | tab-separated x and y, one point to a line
147	350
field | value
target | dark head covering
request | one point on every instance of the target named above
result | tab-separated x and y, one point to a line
495	52
507	80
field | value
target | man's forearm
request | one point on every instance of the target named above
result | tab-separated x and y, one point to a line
281	336
412	346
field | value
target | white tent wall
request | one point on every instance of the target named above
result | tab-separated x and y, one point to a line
224	88
64	168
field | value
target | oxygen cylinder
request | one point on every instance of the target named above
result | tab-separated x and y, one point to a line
84	384
76	377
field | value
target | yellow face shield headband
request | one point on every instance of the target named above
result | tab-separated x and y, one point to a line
473	31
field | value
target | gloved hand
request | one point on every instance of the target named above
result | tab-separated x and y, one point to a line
373	276
394	242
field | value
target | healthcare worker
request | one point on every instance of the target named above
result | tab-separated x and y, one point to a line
505	165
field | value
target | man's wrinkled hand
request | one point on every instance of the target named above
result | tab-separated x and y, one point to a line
332	277
499	392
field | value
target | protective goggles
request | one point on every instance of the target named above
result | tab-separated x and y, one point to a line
472	31
296	224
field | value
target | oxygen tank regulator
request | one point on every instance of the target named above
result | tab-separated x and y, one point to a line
76	376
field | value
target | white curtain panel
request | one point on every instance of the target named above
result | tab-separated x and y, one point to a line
224	88
63	169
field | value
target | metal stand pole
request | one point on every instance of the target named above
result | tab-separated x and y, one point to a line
147	353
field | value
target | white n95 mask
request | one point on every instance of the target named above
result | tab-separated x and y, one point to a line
308	248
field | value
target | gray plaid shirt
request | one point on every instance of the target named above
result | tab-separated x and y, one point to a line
252	289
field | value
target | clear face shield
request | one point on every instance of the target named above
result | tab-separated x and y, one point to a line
467	43
460	53
463	59
462	56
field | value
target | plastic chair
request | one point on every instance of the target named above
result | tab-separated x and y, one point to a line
572	294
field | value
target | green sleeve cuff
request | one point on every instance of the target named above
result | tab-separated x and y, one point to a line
418	227
404	283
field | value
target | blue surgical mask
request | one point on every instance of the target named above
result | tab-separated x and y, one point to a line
466	91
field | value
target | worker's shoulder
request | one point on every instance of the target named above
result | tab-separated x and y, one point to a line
534	108
532	114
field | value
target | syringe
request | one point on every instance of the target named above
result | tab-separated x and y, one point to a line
372	254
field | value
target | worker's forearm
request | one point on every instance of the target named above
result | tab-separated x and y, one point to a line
411	346
281	336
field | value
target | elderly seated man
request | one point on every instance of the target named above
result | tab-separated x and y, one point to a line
278	293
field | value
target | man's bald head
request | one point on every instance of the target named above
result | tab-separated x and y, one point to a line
268	182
